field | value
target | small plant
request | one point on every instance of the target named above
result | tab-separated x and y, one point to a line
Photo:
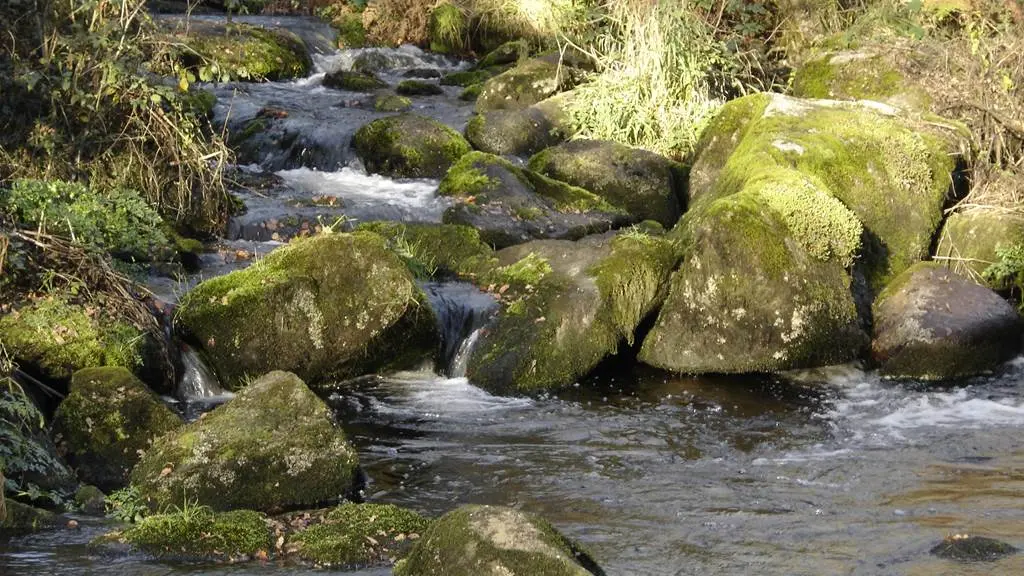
1008	271
421	265
126	505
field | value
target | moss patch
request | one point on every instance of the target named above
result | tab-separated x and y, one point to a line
418	88
353	81
391	103
359	535
465	78
409	146
525	85
197	533
858	76
447	248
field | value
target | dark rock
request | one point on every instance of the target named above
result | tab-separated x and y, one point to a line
521	132
418	88
353	81
408	146
964	548
422	73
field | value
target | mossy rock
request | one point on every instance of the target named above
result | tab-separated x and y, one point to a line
353	81
18	518
408	146
495	541
931	324
569	306
418	88
510	205
391	103
197	534
859	75
240	52
471	93
90	500
521	132
511	52
334	305
971	239
446	249
465	78
965	548
447	29
273	447
354	536
527	84
750	298
648	186
57	338
106	421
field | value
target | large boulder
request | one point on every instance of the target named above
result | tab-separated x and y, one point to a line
648	186
273	447
433	250
495	541
107	421
863	74
931	324
788	197
521	132
333	305
527	84
566	307
408	146
510	205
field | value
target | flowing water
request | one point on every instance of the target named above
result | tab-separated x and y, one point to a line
824	472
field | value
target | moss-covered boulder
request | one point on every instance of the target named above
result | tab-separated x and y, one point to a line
931	324
418	88
972	239
108	419
436	249
510	205
90	500
648	186
196	534
495	541
353	81
568	306
391	103
511	52
447	29
408	146
859	75
521	132
273	447
237	52
18	518
465	78
334	305
527	84
966	548
354	536
57	337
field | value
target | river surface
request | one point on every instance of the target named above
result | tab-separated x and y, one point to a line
832	471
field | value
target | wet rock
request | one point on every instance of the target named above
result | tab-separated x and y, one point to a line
521	132
18	518
372	62
196	534
465	78
566	306
790	200
527	84
90	500
932	324
354	536
273	447
330	305
494	541
510	205
471	93
353	81
964	548
391	103
418	88
422	73
107	420
648	186
408	146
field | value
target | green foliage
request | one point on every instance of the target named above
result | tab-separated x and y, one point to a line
447	29
419	262
1008	270
528	271
194	531
126	505
117	220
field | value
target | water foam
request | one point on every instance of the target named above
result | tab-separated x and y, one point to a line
428	395
414	200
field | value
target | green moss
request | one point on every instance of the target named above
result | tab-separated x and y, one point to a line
529	271
451	249
857	76
353	81
409	146
508	53
465	78
418	88
567	198
391	103
198	533
241	51
471	92
351	33
108	418
971	242
356	535
58	338
466	178
447	29
252	128
21	518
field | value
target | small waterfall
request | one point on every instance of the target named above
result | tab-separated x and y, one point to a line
461	311
197	382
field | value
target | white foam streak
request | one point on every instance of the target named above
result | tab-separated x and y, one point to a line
416	197
425	394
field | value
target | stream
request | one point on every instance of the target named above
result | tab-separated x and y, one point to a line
831	471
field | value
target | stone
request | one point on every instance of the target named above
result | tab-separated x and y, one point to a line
408	146
521	132
966	548
353	81
527	84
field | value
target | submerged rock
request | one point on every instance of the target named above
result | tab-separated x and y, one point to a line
107	421
521	132
354	536
648	186
273	447
510	205
408	146
527	84
569	305
787	198
196	534
495	541
966	548
932	324
331	305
